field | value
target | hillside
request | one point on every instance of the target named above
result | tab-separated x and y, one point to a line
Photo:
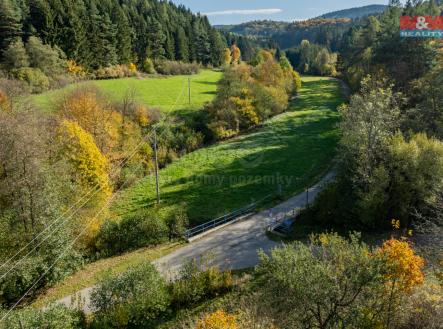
292	149
98	33
355	13
170	94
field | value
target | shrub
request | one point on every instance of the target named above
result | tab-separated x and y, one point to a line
148	66
218	320
18	281
176	68
115	72
52	317
133	299
326	284
75	69
142	229
199	281
49	60
5	104
15	55
36	79
405	268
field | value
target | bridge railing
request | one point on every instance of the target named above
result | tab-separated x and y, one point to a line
228	218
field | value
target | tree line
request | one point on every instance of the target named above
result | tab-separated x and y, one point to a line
104	33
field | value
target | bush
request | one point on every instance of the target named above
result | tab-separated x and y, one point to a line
115	72
36	79
218	320
198	281
142	229
176	68
52	317
18	281
148	66
133	299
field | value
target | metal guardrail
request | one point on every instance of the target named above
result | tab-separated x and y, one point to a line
228	218
290	214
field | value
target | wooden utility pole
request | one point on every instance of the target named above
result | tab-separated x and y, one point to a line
189	90
157	183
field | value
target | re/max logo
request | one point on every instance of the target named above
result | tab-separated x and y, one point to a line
421	26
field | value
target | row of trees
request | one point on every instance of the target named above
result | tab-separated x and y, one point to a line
391	151
104	33
248	95
330	282
313	59
58	174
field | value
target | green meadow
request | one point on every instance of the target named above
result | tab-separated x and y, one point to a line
288	153
170	94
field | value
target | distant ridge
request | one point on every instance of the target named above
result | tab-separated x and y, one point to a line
357	12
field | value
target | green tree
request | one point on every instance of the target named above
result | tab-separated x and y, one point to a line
123	36
10	24
181	45
156	41
15	55
44	57
135	298
329	283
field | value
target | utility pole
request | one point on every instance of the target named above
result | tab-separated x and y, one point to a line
157	184
189	90
307	197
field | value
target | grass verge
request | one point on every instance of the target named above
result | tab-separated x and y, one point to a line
92	273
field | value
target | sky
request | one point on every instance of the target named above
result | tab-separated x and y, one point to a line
239	11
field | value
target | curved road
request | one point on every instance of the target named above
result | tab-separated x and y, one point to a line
232	247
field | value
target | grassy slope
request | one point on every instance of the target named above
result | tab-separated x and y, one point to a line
159	92
298	145
92	273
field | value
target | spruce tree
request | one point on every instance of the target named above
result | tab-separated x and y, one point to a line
10	24
181	45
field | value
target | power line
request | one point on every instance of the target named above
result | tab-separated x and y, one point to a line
71	208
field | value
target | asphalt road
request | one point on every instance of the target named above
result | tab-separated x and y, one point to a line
234	246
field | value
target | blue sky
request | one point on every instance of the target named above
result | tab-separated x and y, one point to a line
238	11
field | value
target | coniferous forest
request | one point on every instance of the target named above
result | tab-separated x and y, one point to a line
101	33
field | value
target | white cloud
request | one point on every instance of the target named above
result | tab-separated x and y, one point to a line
245	12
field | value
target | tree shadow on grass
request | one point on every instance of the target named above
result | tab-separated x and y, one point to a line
290	151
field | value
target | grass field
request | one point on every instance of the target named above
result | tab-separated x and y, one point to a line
168	93
291	150
92	273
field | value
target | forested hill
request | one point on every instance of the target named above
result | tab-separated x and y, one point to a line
355	13
99	33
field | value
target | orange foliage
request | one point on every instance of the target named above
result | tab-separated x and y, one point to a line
405	268
142	117
5	105
84	107
218	320
75	69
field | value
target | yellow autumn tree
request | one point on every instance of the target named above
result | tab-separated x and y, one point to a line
218	320
244	106
404	266
84	107
236	54
89	165
89	169
227	58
